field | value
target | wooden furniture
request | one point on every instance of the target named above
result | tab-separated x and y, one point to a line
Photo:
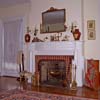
23	74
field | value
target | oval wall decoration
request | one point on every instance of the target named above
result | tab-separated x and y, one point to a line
27	38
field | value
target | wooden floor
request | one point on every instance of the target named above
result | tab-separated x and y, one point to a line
7	83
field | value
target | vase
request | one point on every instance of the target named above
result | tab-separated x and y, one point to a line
76	34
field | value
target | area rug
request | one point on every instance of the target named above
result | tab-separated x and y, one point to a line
17	94
30	95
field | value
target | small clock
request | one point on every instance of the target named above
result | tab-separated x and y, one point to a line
27	38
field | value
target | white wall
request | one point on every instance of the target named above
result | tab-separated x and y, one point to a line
15	12
33	15
91	12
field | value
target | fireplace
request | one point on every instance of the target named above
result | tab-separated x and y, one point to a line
54	70
42	50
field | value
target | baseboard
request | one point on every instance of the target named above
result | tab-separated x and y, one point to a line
9	76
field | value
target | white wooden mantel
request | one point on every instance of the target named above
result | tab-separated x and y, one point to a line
57	48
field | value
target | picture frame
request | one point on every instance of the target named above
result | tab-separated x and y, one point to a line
91	34
53	20
91	24
92	75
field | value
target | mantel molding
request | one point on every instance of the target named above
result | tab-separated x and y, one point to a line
62	45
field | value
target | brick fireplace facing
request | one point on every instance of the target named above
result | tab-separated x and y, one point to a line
54	69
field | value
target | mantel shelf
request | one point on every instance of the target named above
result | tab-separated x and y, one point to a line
58	41
55	45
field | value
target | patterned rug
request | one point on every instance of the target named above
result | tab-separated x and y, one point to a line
30	95
16	94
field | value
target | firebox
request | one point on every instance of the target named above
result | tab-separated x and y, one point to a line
54	70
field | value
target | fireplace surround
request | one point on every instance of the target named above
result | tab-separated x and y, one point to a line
70	48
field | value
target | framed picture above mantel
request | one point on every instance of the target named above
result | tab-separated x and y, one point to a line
53	20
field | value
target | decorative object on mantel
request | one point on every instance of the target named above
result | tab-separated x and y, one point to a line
76	34
35	31
66	38
27	35
75	31
45	38
52	38
73	26
27	38
56	37
36	39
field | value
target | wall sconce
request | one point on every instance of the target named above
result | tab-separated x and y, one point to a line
73	26
28	29
35	31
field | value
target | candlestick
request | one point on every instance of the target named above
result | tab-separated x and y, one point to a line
19	67
22	61
74	83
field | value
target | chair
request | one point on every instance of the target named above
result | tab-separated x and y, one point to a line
24	75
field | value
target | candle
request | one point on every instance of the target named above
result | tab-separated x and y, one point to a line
22	61
19	67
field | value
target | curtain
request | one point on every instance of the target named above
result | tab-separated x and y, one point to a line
1	31
12	40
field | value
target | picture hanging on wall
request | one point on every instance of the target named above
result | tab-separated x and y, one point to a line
91	24
91	30
92	77
91	35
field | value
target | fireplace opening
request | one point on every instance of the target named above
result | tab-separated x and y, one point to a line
54	70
